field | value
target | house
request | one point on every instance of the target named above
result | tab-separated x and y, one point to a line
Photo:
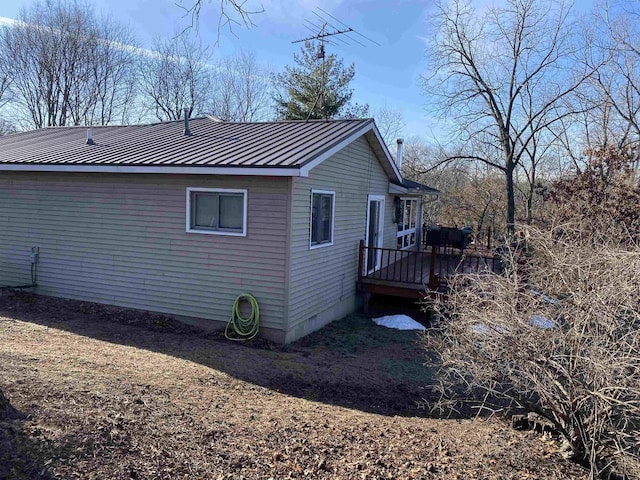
181	218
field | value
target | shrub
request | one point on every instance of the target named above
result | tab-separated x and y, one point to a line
557	334
604	195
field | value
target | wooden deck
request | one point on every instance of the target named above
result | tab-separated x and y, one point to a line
415	274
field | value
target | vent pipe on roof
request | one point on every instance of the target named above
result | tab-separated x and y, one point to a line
400	142
90	136
187	132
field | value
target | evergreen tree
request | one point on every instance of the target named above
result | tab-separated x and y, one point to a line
299	87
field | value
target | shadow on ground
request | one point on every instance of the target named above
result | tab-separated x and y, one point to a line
352	362
16	460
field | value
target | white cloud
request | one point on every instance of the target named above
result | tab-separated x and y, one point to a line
425	41
8	21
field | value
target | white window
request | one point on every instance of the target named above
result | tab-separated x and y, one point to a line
407	222
322	212
217	211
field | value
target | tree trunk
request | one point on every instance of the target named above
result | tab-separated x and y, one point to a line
531	193
530	205
511	201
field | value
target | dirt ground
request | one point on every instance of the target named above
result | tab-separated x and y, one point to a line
104	393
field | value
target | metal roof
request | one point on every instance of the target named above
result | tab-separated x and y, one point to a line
415	187
278	148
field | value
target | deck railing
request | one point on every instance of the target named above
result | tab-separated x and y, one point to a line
397	265
428	267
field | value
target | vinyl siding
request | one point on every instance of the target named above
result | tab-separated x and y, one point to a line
120	239
324	277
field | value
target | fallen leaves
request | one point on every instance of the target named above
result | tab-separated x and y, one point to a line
107	408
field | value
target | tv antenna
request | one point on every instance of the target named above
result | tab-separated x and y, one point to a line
324	31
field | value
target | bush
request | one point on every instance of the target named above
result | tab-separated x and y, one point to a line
605	194
557	334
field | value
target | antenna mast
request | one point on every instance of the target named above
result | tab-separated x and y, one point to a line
322	36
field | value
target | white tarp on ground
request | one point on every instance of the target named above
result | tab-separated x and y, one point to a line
399	322
544	297
541	322
484	329
535	321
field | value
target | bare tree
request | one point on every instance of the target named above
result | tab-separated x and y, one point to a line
5	82
471	194
242	90
70	65
44	50
503	77
176	76
418	157
532	166
110	88
390	122
609	101
615	39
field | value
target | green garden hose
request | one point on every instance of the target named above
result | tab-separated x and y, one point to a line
245	328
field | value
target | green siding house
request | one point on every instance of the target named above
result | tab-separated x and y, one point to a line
181	218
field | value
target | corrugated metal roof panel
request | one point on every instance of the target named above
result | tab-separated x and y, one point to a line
287	144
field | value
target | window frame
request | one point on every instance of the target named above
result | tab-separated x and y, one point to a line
313	246
193	229
406	233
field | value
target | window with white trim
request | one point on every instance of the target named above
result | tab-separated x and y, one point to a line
407	222
322	213
217	211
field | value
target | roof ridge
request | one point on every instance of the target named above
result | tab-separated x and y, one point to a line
312	120
204	117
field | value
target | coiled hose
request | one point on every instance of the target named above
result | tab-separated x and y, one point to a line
244	328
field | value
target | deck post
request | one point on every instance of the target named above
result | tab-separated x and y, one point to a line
419	224
366	302
360	263
432	267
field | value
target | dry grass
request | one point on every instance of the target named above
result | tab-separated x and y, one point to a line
107	400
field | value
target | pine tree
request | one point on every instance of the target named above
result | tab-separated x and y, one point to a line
299	86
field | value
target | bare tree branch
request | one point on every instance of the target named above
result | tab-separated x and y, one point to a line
390	122
233	13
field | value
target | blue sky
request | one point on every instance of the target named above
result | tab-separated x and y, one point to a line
386	74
